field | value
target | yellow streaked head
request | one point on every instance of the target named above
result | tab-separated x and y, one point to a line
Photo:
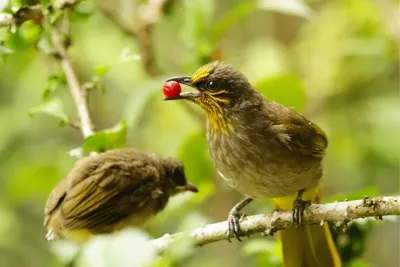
220	88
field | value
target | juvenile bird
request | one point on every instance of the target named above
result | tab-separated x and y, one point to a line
264	149
109	191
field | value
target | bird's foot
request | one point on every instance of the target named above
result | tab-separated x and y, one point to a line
299	206
234	230
234	219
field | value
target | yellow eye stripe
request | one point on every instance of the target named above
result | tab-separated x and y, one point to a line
211	103
201	73
216	99
220	92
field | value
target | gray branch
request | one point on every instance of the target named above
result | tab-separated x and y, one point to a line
339	212
79	95
6	19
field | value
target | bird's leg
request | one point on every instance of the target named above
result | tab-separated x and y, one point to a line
299	205
234	218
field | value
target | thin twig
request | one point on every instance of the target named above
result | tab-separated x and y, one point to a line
73	83
21	15
32	12
79	95
140	28
75	125
340	212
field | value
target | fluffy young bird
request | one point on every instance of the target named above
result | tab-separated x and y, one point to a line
109	191
264	149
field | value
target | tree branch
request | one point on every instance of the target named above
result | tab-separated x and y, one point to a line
21	15
80	97
339	212
31	12
6	19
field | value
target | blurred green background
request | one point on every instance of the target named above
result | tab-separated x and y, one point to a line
335	61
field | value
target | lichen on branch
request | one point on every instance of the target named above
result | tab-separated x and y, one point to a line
339	212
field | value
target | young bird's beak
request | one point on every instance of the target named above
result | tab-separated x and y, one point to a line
191	187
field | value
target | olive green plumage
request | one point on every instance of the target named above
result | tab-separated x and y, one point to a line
260	147
109	191
264	149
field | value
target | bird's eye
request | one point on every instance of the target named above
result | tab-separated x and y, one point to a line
210	85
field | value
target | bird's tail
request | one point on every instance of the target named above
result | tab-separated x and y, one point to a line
52	235
307	246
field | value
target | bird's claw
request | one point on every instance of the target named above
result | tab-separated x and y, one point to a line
234	218
299	206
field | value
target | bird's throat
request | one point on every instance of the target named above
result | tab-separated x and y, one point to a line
217	117
218	123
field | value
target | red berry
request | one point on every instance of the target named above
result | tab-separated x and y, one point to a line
171	89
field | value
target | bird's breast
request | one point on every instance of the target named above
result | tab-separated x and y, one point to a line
253	164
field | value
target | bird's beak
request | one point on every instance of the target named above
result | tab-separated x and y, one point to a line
184	95
191	187
186	80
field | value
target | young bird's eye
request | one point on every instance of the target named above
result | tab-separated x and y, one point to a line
178	176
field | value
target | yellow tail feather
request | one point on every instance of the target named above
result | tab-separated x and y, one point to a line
307	246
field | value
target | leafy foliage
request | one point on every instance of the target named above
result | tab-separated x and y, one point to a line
52	107
104	140
53	83
335	60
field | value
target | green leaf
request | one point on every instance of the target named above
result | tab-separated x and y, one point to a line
290	7
287	89
101	70
53	107
53	82
101	141
196	159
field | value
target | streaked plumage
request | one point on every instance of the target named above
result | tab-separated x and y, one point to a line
112	190
264	149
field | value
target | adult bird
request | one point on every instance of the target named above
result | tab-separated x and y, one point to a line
264	149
